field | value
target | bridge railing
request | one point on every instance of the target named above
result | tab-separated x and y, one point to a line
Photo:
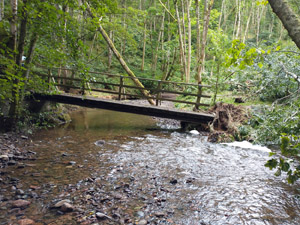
68	80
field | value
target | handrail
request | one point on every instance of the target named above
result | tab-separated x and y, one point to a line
121	86
140	78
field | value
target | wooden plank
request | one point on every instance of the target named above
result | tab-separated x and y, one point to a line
91	102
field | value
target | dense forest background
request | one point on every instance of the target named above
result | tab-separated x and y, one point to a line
237	47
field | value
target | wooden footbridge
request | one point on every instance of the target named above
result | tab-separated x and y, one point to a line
83	88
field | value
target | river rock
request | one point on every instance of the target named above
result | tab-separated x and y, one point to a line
4	157
99	143
160	214
25	222
173	181
67	207
102	216
12	163
142	222
60	203
140	214
20	203
20	192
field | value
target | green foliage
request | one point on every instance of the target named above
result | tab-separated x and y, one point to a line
289	161
270	122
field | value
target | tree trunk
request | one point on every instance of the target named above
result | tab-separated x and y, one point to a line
1	10
144	46
207	11
124	65
221	13
160	34
110	53
189	53
238	20
259	16
28	62
289	19
182	53
12	45
183	27
13	26
198	29
121	60
248	22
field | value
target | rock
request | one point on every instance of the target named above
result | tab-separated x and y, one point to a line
160	214
21	166
142	222
4	157
99	143
194	132
24	137
72	163
34	187
60	203
26	222
190	180
102	216
67	207
140	214
12	162
20	203
20	192
173	181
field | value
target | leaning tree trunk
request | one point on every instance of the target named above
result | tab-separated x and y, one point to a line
122	62
289	19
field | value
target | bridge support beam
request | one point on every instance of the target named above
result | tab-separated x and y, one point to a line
192	117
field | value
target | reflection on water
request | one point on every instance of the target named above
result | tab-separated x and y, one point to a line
215	184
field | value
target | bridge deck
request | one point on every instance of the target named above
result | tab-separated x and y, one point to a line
123	106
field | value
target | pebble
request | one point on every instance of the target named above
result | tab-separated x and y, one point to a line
4	157
20	192
142	222
67	207
160	214
60	203
140	214
102	216
99	143
12	162
20	203
25	222
173	181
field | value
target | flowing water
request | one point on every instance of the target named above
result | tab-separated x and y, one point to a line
165	176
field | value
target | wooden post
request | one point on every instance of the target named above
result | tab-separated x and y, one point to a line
121	87
198	96
158	95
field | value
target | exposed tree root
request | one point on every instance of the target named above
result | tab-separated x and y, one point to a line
227	120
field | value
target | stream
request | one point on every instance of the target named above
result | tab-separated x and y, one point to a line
120	168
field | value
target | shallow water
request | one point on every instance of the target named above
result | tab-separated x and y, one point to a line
180	175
